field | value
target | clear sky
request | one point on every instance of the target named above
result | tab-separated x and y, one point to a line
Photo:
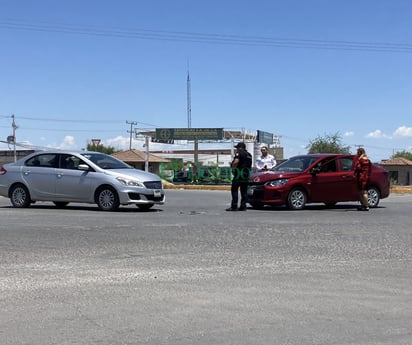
73	70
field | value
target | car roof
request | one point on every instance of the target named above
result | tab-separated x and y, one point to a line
324	155
57	151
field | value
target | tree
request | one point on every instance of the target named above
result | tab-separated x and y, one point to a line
101	148
329	143
403	154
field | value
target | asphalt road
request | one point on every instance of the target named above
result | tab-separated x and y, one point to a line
190	273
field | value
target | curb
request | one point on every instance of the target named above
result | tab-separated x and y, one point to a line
401	189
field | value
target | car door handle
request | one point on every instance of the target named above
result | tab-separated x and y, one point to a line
346	176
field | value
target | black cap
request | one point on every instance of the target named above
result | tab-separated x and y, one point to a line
240	145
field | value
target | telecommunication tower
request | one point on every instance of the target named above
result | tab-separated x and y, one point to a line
189	101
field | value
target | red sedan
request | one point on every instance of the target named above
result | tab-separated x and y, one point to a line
315	178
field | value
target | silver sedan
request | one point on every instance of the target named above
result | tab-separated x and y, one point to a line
84	177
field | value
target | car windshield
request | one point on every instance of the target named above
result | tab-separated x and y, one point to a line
105	161
296	164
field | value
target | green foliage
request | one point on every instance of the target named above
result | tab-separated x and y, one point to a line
403	154
329	143
101	148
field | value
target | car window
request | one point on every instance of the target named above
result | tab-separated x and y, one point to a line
296	164
327	165
70	162
346	163
105	161
49	160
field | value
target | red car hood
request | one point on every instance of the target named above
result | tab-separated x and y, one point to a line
262	177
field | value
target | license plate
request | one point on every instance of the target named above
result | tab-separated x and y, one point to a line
157	193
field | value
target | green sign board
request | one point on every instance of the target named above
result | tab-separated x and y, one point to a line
189	134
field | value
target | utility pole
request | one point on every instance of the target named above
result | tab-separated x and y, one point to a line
132	123
147	155
14	126
146	146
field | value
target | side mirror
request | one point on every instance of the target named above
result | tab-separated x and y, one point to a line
83	167
315	170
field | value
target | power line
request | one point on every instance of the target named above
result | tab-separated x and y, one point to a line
181	36
65	120
68	130
50	119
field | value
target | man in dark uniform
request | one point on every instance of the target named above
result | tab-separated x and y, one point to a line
241	166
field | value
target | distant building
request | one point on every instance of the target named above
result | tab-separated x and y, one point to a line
206	157
7	156
137	159
400	170
214	156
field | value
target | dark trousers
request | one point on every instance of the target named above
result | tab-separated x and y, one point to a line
236	185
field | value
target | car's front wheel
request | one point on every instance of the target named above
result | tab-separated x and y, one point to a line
107	199
297	199
20	196
373	197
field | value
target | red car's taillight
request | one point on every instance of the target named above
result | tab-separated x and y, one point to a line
2	171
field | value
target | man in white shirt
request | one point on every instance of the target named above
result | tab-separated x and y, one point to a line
265	161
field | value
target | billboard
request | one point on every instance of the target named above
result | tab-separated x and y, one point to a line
168	134
264	137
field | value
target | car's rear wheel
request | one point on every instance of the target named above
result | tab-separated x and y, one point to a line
145	207
373	197
60	204
107	199
20	196
297	199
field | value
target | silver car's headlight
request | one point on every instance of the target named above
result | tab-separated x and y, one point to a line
131	183
277	183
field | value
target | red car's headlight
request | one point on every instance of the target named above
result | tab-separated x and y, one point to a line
277	183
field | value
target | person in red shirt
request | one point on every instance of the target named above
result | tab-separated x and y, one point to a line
362	170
